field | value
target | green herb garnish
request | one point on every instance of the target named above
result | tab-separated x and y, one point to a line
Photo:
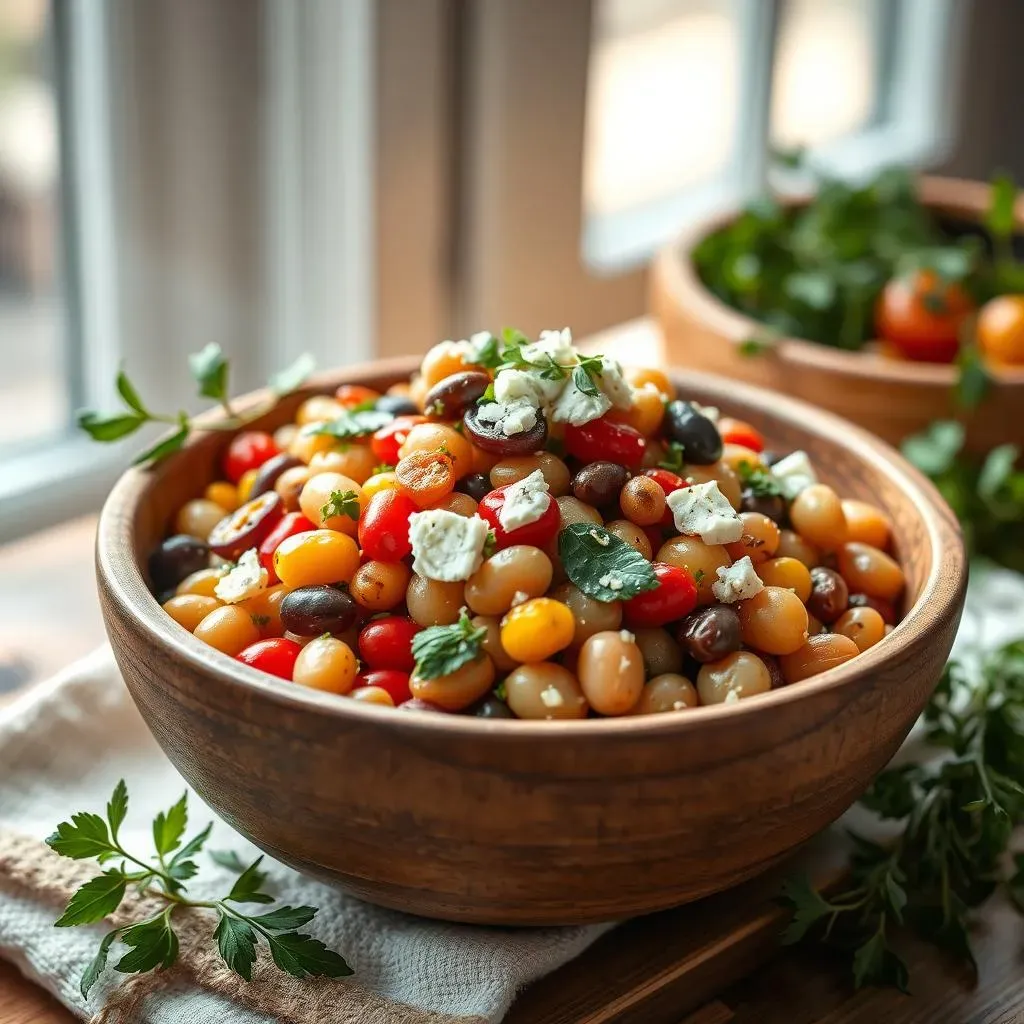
490	544
488	354
601	565
673	457
341	503
759	481
153	941
352	423
440	650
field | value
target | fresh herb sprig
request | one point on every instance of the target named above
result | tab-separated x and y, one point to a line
209	368
153	941
441	650
957	815
603	566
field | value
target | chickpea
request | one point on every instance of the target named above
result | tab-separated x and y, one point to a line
318	556
611	672
229	629
575	511
870	571
306	444
537	629
373	695
483	462
284	435
760	538
668	692
699	559
773	621
317	409
792	545
642	501
444	359
659	650
544	691
320	505
509	576
222	493
198	517
817	515
433	603
459	503
590	616
352	460
380	586
188	610
326	663
433	437
631	534
201	582
864	626
643	376
289	486
786	572
867	524
819	654
458	689
518	467
735	677
265	610
736	456
646	412
728	482
829	594
491	643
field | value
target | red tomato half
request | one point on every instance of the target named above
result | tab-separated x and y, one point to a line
249	450
603	440
384	526
537	533
393	680
289	524
349	395
276	656
675	597
386	441
387	643
740	432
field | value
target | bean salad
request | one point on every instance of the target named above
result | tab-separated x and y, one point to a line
525	531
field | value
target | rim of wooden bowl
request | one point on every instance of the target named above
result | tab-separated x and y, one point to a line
677	271
121	577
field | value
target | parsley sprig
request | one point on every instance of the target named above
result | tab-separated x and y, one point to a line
341	503
956	814
153	942
441	650
760	482
209	368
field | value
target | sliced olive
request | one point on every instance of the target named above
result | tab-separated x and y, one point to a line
247	526
491	438
451	397
702	444
313	611
397	405
599	483
476	485
268	473
491	707
770	505
711	633
177	557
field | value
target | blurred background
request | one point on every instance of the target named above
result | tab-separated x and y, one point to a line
356	178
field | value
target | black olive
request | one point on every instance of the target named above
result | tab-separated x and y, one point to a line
883	608
491	707
491	438
774	670
177	557
312	611
830	596
451	397
702	444
599	483
476	485
770	505
710	633
397	405
267	474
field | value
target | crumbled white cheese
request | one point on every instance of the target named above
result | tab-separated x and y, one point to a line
525	501
611	581
737	582
794	474
457	349
611	381
519	597
577	407
514	418
245	580
478	341
602	538
551	697
445	545
703	511
516	385
626	637
556	344
731	697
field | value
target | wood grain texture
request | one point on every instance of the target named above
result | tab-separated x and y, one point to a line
522	823
892	398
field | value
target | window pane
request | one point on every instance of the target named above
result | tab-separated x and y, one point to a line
662	99
33	397
827	69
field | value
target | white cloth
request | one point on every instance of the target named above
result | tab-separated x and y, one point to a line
65	744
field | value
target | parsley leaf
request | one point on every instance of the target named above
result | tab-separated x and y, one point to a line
236	942
291	377
210	369
490	544
129	395
759	481
973	382
248	885
934	449
117	807
85	836
603	566
302	955
168	446
227	859
440	650
98	963
353	423
154	944
286	919
168	828
673	457
341	503
99	896
808	907
109	428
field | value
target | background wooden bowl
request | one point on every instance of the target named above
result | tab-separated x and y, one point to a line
535	822
891	398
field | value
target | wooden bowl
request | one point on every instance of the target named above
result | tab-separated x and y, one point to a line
526	823
890	397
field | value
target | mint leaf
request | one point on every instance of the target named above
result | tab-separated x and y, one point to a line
109	428
117	807
292	376
210	369
154	944
236	942
301	955
98	964
286	919
353	424
248	885
440	650
168	828
131	398
603	566
99	896
85	836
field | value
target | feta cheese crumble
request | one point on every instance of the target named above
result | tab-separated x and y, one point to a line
525	501
794	474
611	381
610	580
703	511
446	546
515	418
556	345
737	582
245	580
626	637
577	407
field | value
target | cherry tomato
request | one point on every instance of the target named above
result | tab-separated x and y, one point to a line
669	482
387	643
287	526
276	656
602	439
349	395
248	450
386	441
393	681
675	597
921	316
384	526
538	533
740	432
246	527
1001	330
